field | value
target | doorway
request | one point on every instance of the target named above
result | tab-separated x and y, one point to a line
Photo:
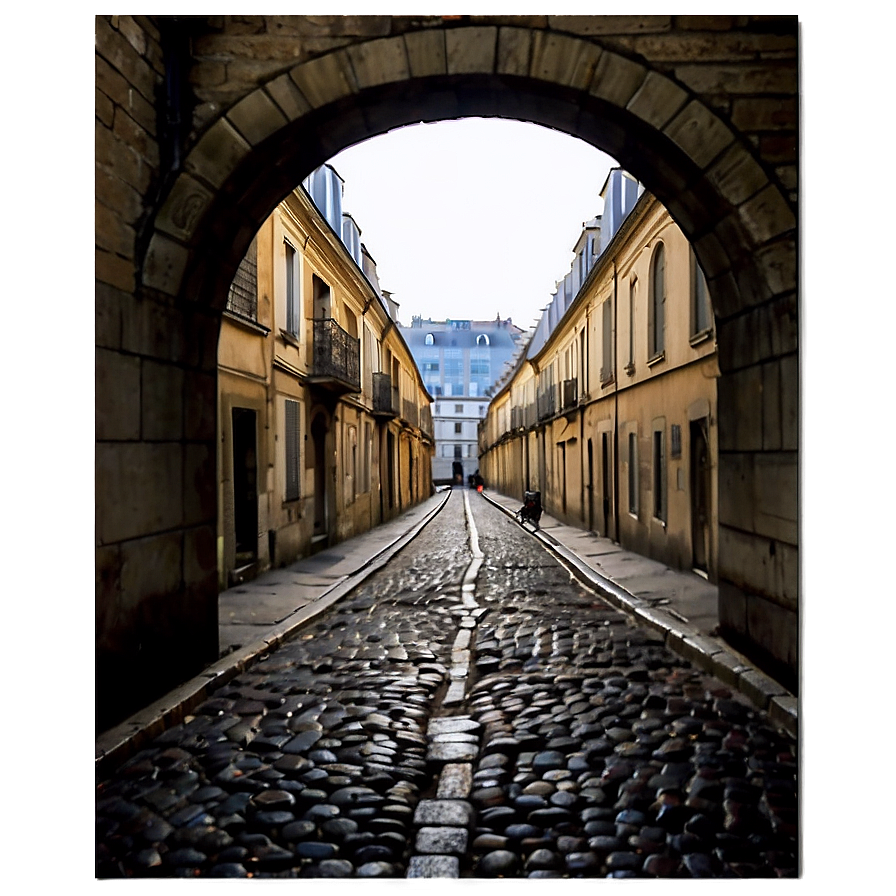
590	485
701	484
605	480
245	487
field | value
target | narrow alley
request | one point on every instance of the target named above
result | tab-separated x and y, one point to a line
471	710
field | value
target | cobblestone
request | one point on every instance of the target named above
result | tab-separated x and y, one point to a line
574	745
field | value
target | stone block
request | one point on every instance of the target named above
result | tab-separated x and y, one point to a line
441	841
740	409
434	866
737	175
783	711
218	152
514	51
153	329
617	79
200	554
256	117
117	392
777	262
657	100
113	270
763	565
325	79
615	24
698	133
462	641
112	232
439	813
164	266
455	781
288	97
759	688
183	208
452	724
138	489
452	752
426	53
379	62
767	215
775	628
200	391
790	402
765	114
108	303
161	405
150	566
199	490
565	60
470	50
456	693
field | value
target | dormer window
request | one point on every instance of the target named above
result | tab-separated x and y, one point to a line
482	339
428	339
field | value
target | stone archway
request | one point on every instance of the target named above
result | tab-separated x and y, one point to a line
701	156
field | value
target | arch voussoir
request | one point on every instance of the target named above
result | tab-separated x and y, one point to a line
325	79
379	62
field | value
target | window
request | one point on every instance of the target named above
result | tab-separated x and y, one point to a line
428	339
630	367
659	474
458	409
458	452
482	339
292	442
608	361
633	473
701	310
458	428
292	290
656	312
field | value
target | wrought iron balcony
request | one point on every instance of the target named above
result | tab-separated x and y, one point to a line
385	398
570	394
547	403
336	359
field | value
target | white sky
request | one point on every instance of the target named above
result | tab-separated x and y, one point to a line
463	217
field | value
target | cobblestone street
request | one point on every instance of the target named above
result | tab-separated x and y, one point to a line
469	711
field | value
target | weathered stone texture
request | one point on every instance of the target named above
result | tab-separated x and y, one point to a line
117	389
138	489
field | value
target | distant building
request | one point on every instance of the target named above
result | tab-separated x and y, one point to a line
460	361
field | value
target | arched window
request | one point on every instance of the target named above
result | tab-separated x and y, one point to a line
428	339
482	339
656	319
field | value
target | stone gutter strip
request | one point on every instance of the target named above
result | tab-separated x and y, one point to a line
709	654
443	825
127	738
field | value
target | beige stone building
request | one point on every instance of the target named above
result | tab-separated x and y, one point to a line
611	411
325	426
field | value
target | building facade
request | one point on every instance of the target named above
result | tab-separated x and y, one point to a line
460	360
611	412
325	426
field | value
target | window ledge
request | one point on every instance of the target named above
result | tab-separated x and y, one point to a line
286	336
656	359
607	381
702	336
246	322
630	369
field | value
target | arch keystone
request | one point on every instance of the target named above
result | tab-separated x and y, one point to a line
471	50
325	79
564	60
426	53
699	133
379	62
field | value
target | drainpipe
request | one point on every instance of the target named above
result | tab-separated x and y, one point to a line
616	407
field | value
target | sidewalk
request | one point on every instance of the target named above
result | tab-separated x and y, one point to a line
681	605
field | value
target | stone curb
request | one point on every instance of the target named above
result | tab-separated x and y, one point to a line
127	738
707	653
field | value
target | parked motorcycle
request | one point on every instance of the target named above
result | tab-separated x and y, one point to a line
530	512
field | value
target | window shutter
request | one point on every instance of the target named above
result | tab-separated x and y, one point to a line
292	450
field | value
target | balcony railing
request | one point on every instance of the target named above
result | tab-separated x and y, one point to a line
570	394
410	411
385	398
547	403
336	362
